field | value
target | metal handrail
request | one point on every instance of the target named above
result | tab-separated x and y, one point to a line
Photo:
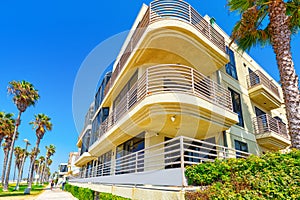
168	78
258	78
265	123
186	152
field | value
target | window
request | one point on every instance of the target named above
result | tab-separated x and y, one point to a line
237	106
125	164
85	142
230	67
262	121
100	93
240	146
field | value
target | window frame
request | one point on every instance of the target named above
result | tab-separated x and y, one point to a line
240	143
230	67
234	107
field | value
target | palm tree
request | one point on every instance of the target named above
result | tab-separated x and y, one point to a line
24	95
49	153
5	119
17	152
283	20
41	124
9	124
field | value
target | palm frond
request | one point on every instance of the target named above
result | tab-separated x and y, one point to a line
24	94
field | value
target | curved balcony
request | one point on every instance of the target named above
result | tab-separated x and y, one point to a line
263	91
174	32
271	133
199	104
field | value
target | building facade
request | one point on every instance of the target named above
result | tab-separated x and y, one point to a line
72	169
178	95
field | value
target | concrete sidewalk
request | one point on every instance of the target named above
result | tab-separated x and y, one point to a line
55	193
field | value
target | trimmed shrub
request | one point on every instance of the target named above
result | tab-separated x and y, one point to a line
271	176
85	194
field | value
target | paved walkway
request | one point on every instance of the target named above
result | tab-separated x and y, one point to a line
55	193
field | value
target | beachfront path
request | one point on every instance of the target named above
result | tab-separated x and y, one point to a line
55	193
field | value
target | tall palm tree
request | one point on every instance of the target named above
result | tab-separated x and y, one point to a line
282	19
41	124
6	146
24	95
49	153
17	153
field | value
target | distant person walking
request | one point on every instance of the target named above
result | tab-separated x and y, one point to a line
56	180
63	184
52	184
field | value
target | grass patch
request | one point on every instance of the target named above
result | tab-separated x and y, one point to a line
35	190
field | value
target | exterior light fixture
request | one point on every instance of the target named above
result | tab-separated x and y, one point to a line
173	118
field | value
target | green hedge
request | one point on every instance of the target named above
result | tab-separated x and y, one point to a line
79	192
88	194
271	176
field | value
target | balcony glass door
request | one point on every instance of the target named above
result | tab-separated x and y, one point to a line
262	120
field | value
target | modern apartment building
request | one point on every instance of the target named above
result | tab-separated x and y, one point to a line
178	95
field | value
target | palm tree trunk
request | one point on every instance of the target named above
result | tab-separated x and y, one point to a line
43	172
281	40
20	173
15	169
11	150
29	170
4	166
32	167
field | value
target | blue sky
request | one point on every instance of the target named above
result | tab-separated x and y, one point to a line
45	43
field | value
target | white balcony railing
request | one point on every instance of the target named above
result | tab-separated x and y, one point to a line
175	153
168	78
265	124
